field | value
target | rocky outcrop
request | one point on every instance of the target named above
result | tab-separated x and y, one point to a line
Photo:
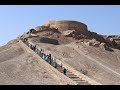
105	47
46	28
39	28
86	35
49	40
113	40
94	43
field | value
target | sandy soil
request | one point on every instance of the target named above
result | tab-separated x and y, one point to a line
100	65
20	68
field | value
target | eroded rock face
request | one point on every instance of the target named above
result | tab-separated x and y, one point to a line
49	40
113	41
75	30
66	25
94	43
103	46
39	28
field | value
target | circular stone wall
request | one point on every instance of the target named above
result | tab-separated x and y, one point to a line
66	25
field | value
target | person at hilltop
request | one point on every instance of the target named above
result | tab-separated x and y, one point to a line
32	30
24	39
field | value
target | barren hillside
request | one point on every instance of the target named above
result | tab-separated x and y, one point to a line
96	56
18	67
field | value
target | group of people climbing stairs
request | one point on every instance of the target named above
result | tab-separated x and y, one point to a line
53	63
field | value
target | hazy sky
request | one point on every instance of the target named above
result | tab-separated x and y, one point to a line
17	19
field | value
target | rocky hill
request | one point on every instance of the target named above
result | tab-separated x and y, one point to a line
93	55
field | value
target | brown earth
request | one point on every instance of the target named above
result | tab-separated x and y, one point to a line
69	41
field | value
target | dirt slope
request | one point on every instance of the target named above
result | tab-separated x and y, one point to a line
21	68
100	65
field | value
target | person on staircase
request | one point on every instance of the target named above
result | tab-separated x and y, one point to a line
42	52
49	58
43	56
37	51
46	57
56	65
61	65
54	62
64	71
35	48
29	45
32	47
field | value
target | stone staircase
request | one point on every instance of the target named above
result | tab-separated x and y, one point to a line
69	74
72	76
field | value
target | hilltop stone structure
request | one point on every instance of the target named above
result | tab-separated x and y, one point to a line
66	25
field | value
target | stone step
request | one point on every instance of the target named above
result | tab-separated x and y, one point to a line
67	72
70	74
58	65
83	83
61	71
77	79
59	68
73	77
